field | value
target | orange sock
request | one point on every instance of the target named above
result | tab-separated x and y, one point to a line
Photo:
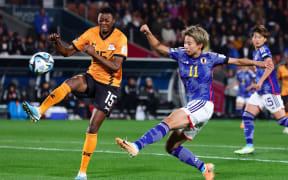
56	96
287	114
88	149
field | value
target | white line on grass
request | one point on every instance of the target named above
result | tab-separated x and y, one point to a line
154	154
157	144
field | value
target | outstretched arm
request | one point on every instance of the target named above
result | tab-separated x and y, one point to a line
268	65
154	43
248	62
64	51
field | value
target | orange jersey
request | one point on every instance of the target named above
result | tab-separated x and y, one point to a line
282	74
115	44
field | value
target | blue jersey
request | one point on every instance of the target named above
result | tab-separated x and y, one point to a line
196	73
270	85
245	79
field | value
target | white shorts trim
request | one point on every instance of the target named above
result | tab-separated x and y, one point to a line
198	112
271	102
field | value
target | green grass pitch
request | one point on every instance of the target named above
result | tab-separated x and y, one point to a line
52	150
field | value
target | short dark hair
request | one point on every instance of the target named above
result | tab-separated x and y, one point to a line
107	10
261	30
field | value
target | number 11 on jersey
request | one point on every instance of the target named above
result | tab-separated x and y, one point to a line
195	71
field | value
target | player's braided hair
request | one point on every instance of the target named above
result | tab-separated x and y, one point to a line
199	34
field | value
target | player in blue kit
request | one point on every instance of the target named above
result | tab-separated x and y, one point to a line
267	91
245	82
195	68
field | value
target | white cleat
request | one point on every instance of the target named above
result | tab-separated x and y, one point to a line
81	176
285	131
245	150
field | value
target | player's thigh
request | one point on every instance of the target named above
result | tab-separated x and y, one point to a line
279	114
239	104
77	83
175	139
253	109
177	119
105	97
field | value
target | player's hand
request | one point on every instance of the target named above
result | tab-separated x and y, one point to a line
54	37
258	86
145	29
90	50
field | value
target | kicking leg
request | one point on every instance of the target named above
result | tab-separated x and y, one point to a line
173	147
177	119
76	83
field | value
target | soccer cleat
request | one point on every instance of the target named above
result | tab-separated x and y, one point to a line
242	125
81	176
127	146
209	171
32	111
245	150
285	131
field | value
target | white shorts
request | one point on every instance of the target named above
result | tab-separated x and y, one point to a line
241	99
271	102
199	112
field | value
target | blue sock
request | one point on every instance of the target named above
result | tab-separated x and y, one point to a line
283	121
239	111
248	119
186	156
153	135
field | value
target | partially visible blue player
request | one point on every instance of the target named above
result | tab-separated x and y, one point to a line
267	94
245	82
195	68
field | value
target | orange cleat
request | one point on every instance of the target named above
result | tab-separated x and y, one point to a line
209	171
242	125
127	146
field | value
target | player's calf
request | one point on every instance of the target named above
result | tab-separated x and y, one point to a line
283	121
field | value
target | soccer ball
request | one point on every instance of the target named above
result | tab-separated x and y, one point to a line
41	63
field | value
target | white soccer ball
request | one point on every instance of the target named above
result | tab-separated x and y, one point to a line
41	63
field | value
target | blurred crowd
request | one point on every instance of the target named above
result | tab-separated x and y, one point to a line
229	22
11	43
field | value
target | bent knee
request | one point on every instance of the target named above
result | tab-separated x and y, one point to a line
169	148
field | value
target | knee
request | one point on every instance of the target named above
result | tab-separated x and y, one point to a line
169	147
92	130
247	116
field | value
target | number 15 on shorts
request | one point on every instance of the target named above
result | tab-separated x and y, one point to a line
109	101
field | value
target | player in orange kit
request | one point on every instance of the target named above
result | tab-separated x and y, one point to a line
108	48
282	76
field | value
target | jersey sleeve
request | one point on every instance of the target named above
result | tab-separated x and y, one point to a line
252	74
83	40
265	52
121	48
219	59
175	52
